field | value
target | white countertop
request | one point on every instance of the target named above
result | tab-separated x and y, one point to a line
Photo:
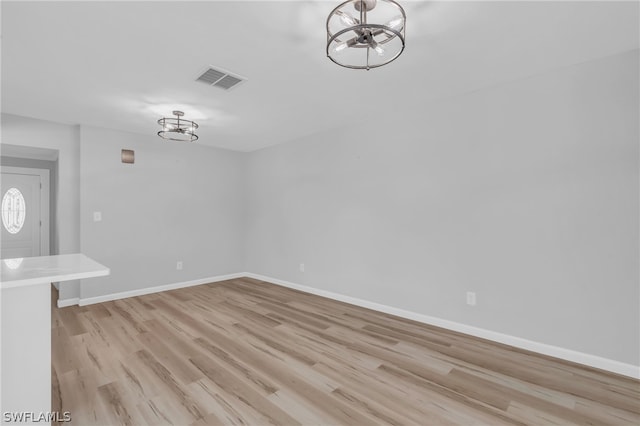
47	269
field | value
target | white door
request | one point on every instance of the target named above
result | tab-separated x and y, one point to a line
23	203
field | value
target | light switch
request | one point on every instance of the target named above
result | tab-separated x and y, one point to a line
97	216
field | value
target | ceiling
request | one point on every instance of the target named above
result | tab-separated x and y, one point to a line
123	65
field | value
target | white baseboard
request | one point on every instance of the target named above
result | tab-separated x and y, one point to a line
68	302
542	348
157	289
518	342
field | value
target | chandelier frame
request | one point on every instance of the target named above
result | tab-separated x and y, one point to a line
173	127
365	32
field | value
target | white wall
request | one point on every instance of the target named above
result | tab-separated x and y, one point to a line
179	201
28	132
526	193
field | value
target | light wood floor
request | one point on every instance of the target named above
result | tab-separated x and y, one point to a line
252	353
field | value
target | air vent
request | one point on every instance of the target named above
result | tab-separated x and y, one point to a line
220	78
210	76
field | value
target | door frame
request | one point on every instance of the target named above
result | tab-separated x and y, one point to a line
44	201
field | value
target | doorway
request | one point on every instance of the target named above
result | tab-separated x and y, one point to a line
24	202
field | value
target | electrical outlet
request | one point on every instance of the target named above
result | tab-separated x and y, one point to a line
302	267
471	298
97	216
179	265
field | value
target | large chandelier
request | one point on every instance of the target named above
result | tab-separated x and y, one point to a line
177	129
365	34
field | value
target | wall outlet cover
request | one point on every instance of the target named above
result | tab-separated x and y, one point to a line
471	298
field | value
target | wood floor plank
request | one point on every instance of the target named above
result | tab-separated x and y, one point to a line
117	405
247	373
63	357
173	388
407	404
71	322
113	332
237	390
170	358
305	412
154	415
246	352
78	395
209	395
167	407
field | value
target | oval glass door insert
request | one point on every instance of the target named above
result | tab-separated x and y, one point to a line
13	210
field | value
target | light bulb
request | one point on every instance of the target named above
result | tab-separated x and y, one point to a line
375	46
347	19
340	47
395	23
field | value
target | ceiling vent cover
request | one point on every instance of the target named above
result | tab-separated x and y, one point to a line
220	78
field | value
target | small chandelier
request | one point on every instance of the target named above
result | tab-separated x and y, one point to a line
176	129
365	34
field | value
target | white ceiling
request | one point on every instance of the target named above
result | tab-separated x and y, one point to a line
122	65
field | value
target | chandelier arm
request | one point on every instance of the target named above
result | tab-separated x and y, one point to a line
368	50
361	67
378	29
